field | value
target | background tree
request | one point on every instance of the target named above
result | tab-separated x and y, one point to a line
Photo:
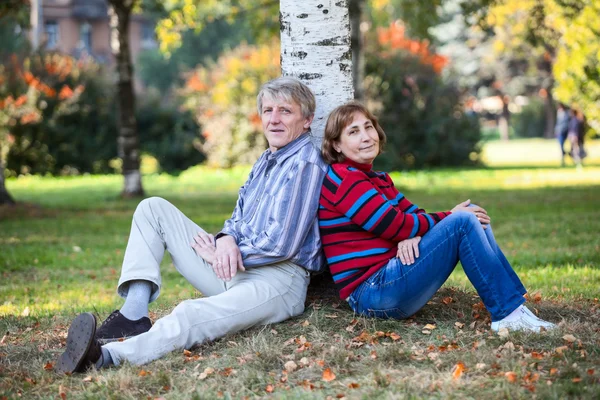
315	47
128	141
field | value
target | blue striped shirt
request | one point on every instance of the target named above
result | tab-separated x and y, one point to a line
275	218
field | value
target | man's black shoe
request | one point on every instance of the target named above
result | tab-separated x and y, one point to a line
116	327
83	350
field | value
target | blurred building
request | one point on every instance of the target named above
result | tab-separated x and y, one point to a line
81	28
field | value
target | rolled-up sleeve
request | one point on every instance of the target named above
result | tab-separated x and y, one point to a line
290	213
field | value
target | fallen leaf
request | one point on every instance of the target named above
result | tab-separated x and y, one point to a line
560	349
426	332
511	376
62	392
209	370
576	380
306	323
290	366
353	385
429	327
88	378
447	300
49	366
503	332
4	338
394	336
144	373
590	371
569	338
203	376
458	370
328	375
459	325
274	332
269	388
480	365
553	371
187	353
304	361
331	315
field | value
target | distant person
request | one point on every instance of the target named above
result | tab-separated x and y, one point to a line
575	135
561	129
387	256
255	271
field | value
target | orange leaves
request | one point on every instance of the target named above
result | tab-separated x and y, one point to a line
328	375
49	366
457	371
394	37
511	376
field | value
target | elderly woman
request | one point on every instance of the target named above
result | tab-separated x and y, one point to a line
387	256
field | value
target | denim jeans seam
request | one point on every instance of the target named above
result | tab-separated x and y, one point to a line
485	281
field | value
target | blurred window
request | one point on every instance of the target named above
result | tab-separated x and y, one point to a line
148	35
51	34
85	35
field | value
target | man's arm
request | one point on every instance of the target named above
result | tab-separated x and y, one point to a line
291	215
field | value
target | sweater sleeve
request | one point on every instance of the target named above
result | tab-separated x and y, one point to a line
359	200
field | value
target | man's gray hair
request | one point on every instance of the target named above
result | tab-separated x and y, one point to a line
288	89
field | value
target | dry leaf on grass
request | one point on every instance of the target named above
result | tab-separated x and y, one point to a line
269	389
569	338
459	325
290	366
187	353
353	385
503	332
510	376
49	366
429	327
458	370
328	375
447	300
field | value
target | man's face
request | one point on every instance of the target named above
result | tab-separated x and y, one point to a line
282	122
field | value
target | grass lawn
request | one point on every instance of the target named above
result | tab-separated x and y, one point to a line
60	254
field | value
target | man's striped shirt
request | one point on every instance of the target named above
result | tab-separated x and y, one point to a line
275	218
362	217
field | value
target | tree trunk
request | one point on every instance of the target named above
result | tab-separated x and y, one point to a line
128	141
550	114
356	43
5	197
503	120
315	48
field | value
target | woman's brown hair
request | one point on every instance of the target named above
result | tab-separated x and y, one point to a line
339	119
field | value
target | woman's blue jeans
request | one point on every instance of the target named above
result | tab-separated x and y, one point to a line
399	291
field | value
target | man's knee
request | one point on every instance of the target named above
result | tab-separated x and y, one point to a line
147	206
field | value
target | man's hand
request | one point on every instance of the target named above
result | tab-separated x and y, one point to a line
228	259
408	250
204	246
479	212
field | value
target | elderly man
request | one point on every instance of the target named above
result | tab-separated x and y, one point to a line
255	271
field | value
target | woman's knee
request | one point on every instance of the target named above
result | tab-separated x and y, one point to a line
463	219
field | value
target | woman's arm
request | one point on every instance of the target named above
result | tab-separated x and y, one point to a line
359	200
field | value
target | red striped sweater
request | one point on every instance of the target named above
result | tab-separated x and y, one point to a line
362	217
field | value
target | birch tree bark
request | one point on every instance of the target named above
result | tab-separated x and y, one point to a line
315	48
128	143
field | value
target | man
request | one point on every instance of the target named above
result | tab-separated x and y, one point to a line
255	271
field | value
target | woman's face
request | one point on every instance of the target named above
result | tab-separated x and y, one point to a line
359	140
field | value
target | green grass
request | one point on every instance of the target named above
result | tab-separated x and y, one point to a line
60	254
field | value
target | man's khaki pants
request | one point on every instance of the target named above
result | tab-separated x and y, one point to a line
260	295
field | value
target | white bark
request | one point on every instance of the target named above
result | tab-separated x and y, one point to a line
315	47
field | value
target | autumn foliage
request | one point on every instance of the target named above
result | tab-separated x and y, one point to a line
223	98
394	37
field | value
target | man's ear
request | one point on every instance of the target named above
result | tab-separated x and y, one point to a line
308	121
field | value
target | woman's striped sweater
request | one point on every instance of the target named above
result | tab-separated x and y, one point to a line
362	217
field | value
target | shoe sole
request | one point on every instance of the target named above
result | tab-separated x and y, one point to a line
79	340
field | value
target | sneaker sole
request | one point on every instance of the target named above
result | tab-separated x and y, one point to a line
79	339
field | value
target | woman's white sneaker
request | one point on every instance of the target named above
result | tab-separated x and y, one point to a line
522	319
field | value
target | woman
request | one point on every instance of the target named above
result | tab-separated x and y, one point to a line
387	256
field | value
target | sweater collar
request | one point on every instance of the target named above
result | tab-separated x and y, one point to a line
359	166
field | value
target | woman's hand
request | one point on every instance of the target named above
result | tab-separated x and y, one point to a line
479	212
408	250
204	246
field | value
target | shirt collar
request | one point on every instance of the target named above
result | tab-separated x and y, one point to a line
290	148
362	167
